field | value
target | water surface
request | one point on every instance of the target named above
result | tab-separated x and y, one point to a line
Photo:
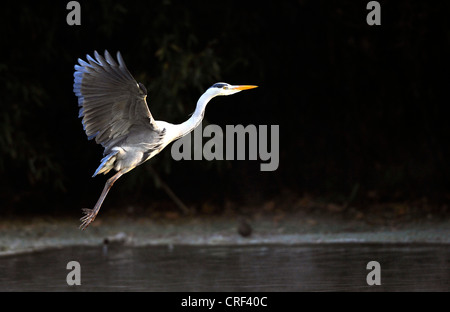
316	267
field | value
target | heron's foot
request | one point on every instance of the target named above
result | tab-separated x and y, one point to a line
89	216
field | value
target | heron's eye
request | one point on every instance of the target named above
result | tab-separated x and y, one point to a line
225	87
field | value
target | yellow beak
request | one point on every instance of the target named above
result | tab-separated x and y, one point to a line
244	87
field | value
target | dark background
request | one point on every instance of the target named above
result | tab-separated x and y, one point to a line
361	109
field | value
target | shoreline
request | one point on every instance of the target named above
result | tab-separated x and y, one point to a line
25	235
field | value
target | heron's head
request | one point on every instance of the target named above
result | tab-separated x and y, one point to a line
222	88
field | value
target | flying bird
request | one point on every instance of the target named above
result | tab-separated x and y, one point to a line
115	113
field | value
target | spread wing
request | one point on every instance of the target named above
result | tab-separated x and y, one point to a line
111	102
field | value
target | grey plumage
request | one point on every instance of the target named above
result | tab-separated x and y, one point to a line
115	113
114	109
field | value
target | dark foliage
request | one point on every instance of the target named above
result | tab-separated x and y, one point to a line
360	107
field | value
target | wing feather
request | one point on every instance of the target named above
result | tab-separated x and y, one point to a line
111	101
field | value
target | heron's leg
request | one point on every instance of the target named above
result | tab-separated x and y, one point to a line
90	214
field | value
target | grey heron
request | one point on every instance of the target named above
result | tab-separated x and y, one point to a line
115	113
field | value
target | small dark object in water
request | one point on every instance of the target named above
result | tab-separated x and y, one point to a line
120	239
244	229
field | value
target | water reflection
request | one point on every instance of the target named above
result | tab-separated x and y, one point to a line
323	267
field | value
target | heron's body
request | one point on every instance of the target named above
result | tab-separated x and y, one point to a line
115	112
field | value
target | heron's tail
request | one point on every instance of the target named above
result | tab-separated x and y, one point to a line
107	163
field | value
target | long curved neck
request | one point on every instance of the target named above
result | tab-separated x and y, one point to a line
196	118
